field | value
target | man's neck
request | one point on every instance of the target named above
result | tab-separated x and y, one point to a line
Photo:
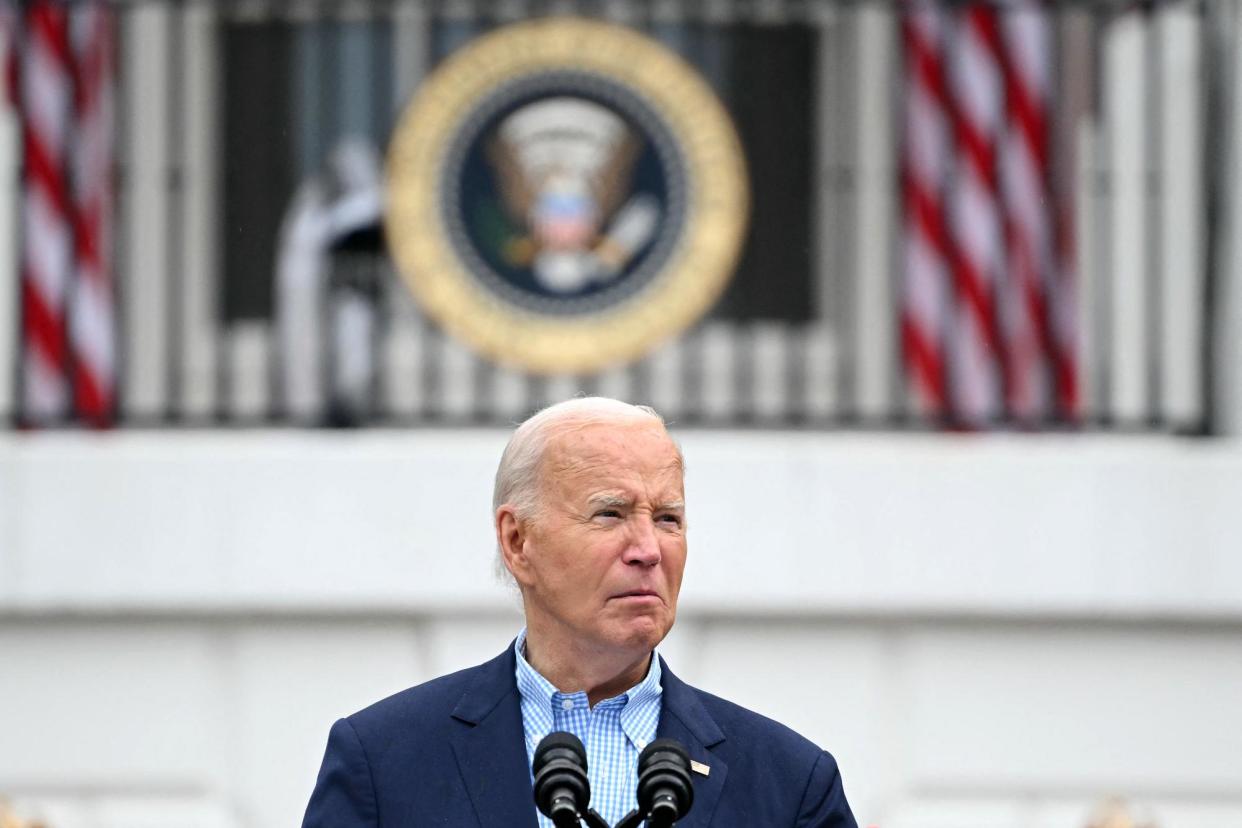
570	667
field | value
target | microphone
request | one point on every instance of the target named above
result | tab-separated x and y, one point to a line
665	792
562	789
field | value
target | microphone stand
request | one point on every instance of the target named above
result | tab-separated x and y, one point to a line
594	820
631	820
635	818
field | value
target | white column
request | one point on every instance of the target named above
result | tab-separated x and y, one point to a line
667	381
10	184
719	367
457	366
834	204
1077	142
563	387
249	369
1228	327
510	393
1182	215
411	49
1090	208
403	351
616	382
145	277
875	331
770	353
509	397
1126	126
820	361
200	261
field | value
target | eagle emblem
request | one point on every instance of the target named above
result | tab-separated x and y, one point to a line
565	167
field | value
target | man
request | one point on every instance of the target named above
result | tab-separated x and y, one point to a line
591	524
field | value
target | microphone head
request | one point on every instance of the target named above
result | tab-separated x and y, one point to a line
664	745
559	740
562	789
664	785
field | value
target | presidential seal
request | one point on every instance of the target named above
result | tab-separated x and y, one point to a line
564	194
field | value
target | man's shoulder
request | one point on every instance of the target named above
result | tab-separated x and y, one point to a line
417	708
742	726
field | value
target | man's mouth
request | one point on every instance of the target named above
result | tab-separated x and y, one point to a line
638	595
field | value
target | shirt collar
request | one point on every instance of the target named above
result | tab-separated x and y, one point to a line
533	687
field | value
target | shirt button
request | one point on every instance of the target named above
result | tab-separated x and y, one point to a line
567	704
642	743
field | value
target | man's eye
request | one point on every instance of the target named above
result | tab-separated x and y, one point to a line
674	520
614	513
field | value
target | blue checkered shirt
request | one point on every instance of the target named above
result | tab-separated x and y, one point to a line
614	732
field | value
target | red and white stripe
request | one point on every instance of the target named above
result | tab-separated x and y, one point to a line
1023	48
1031	23
1007	345
45	88
92	334
976	108
64	91
1042	287
925	241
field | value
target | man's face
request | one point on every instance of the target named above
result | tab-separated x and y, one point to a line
606	549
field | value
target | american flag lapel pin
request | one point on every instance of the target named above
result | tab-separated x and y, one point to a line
699	767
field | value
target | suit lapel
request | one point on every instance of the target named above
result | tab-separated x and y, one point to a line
684	718
491	747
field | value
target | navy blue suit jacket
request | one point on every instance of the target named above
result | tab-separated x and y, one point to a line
452	752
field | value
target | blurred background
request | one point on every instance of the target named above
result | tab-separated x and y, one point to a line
962	430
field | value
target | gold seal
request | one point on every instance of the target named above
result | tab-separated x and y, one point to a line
600	271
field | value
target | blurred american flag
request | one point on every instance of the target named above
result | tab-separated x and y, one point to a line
987	288
61	77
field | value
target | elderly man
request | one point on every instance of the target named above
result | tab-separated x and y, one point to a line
590	522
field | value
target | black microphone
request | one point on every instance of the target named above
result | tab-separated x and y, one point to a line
665	792
562	789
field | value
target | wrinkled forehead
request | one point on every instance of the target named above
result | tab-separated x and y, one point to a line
578	453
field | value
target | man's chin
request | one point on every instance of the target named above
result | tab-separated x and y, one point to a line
641	633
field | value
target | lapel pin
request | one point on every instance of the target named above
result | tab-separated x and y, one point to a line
699	767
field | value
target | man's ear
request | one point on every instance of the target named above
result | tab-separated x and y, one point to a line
511	537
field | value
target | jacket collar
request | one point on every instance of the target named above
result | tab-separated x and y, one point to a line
685	719
491	748
492	682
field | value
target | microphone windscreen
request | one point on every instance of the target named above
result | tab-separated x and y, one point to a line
664	745
559	739
665	790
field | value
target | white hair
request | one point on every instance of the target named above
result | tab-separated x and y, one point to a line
518	481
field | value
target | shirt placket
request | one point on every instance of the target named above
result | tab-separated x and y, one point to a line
608	754
571	713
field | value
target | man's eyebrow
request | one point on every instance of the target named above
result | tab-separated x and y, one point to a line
608	499
616	501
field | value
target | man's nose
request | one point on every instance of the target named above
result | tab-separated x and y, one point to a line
644	545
